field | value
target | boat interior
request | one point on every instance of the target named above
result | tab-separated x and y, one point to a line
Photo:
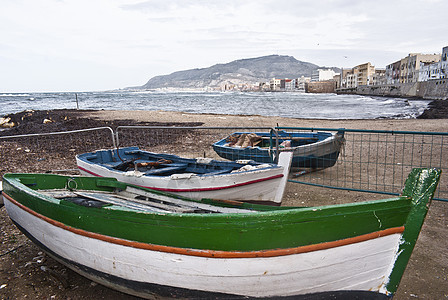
285	140
140	200
154	164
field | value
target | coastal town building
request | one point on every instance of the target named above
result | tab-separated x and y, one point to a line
393	71
263	87
416	67
410	66
359	75
379	77
412	69
444	63
350	80
416	75
430	71
365	74
289	85
343	77
301	82
286	84
275	84
337	79
322	75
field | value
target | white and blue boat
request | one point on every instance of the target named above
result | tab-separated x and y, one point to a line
199	178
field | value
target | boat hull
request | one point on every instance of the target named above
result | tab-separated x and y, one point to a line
265	185
145	273
322	152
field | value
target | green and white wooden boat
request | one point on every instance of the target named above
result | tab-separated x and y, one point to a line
118	235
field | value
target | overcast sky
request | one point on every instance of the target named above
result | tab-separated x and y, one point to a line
94	45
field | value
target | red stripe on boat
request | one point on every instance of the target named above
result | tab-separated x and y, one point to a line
214	253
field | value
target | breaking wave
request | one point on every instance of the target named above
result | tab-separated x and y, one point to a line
292	105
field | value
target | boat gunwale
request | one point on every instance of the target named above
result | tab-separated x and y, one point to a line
328	139
236	172
83	157
184	190
242	224
396	202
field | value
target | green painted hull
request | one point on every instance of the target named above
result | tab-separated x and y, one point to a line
270	228
228	232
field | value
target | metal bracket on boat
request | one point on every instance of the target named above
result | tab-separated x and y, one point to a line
72	184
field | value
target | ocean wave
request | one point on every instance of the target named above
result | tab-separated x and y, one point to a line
295	105
389	102
141	92
15	95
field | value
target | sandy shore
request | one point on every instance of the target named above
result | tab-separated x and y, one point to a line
424	125
426	276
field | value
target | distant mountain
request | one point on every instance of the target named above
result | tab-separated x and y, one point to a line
252	70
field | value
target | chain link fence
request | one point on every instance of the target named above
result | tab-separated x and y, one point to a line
356	160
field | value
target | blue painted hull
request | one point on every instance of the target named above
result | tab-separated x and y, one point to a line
311	149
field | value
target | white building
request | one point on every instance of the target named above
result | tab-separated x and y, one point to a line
275	84
393	72
300	83
322	75
444	63
434	70
351	80
289	85
429	71
379	77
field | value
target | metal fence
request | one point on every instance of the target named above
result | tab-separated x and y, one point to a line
49	152
189	142
379	161
366	160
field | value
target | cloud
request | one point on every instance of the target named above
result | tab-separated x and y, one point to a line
158	37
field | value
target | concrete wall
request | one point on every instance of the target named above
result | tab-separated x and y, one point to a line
433	90
321	87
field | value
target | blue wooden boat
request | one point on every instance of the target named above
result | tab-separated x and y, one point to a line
310	149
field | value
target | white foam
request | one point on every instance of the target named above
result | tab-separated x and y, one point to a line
15	95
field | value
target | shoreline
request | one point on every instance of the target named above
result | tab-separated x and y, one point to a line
353	111
72	119
211	120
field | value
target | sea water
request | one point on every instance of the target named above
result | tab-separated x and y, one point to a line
287	104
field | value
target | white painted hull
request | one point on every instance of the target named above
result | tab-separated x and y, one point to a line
264	185
361	266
